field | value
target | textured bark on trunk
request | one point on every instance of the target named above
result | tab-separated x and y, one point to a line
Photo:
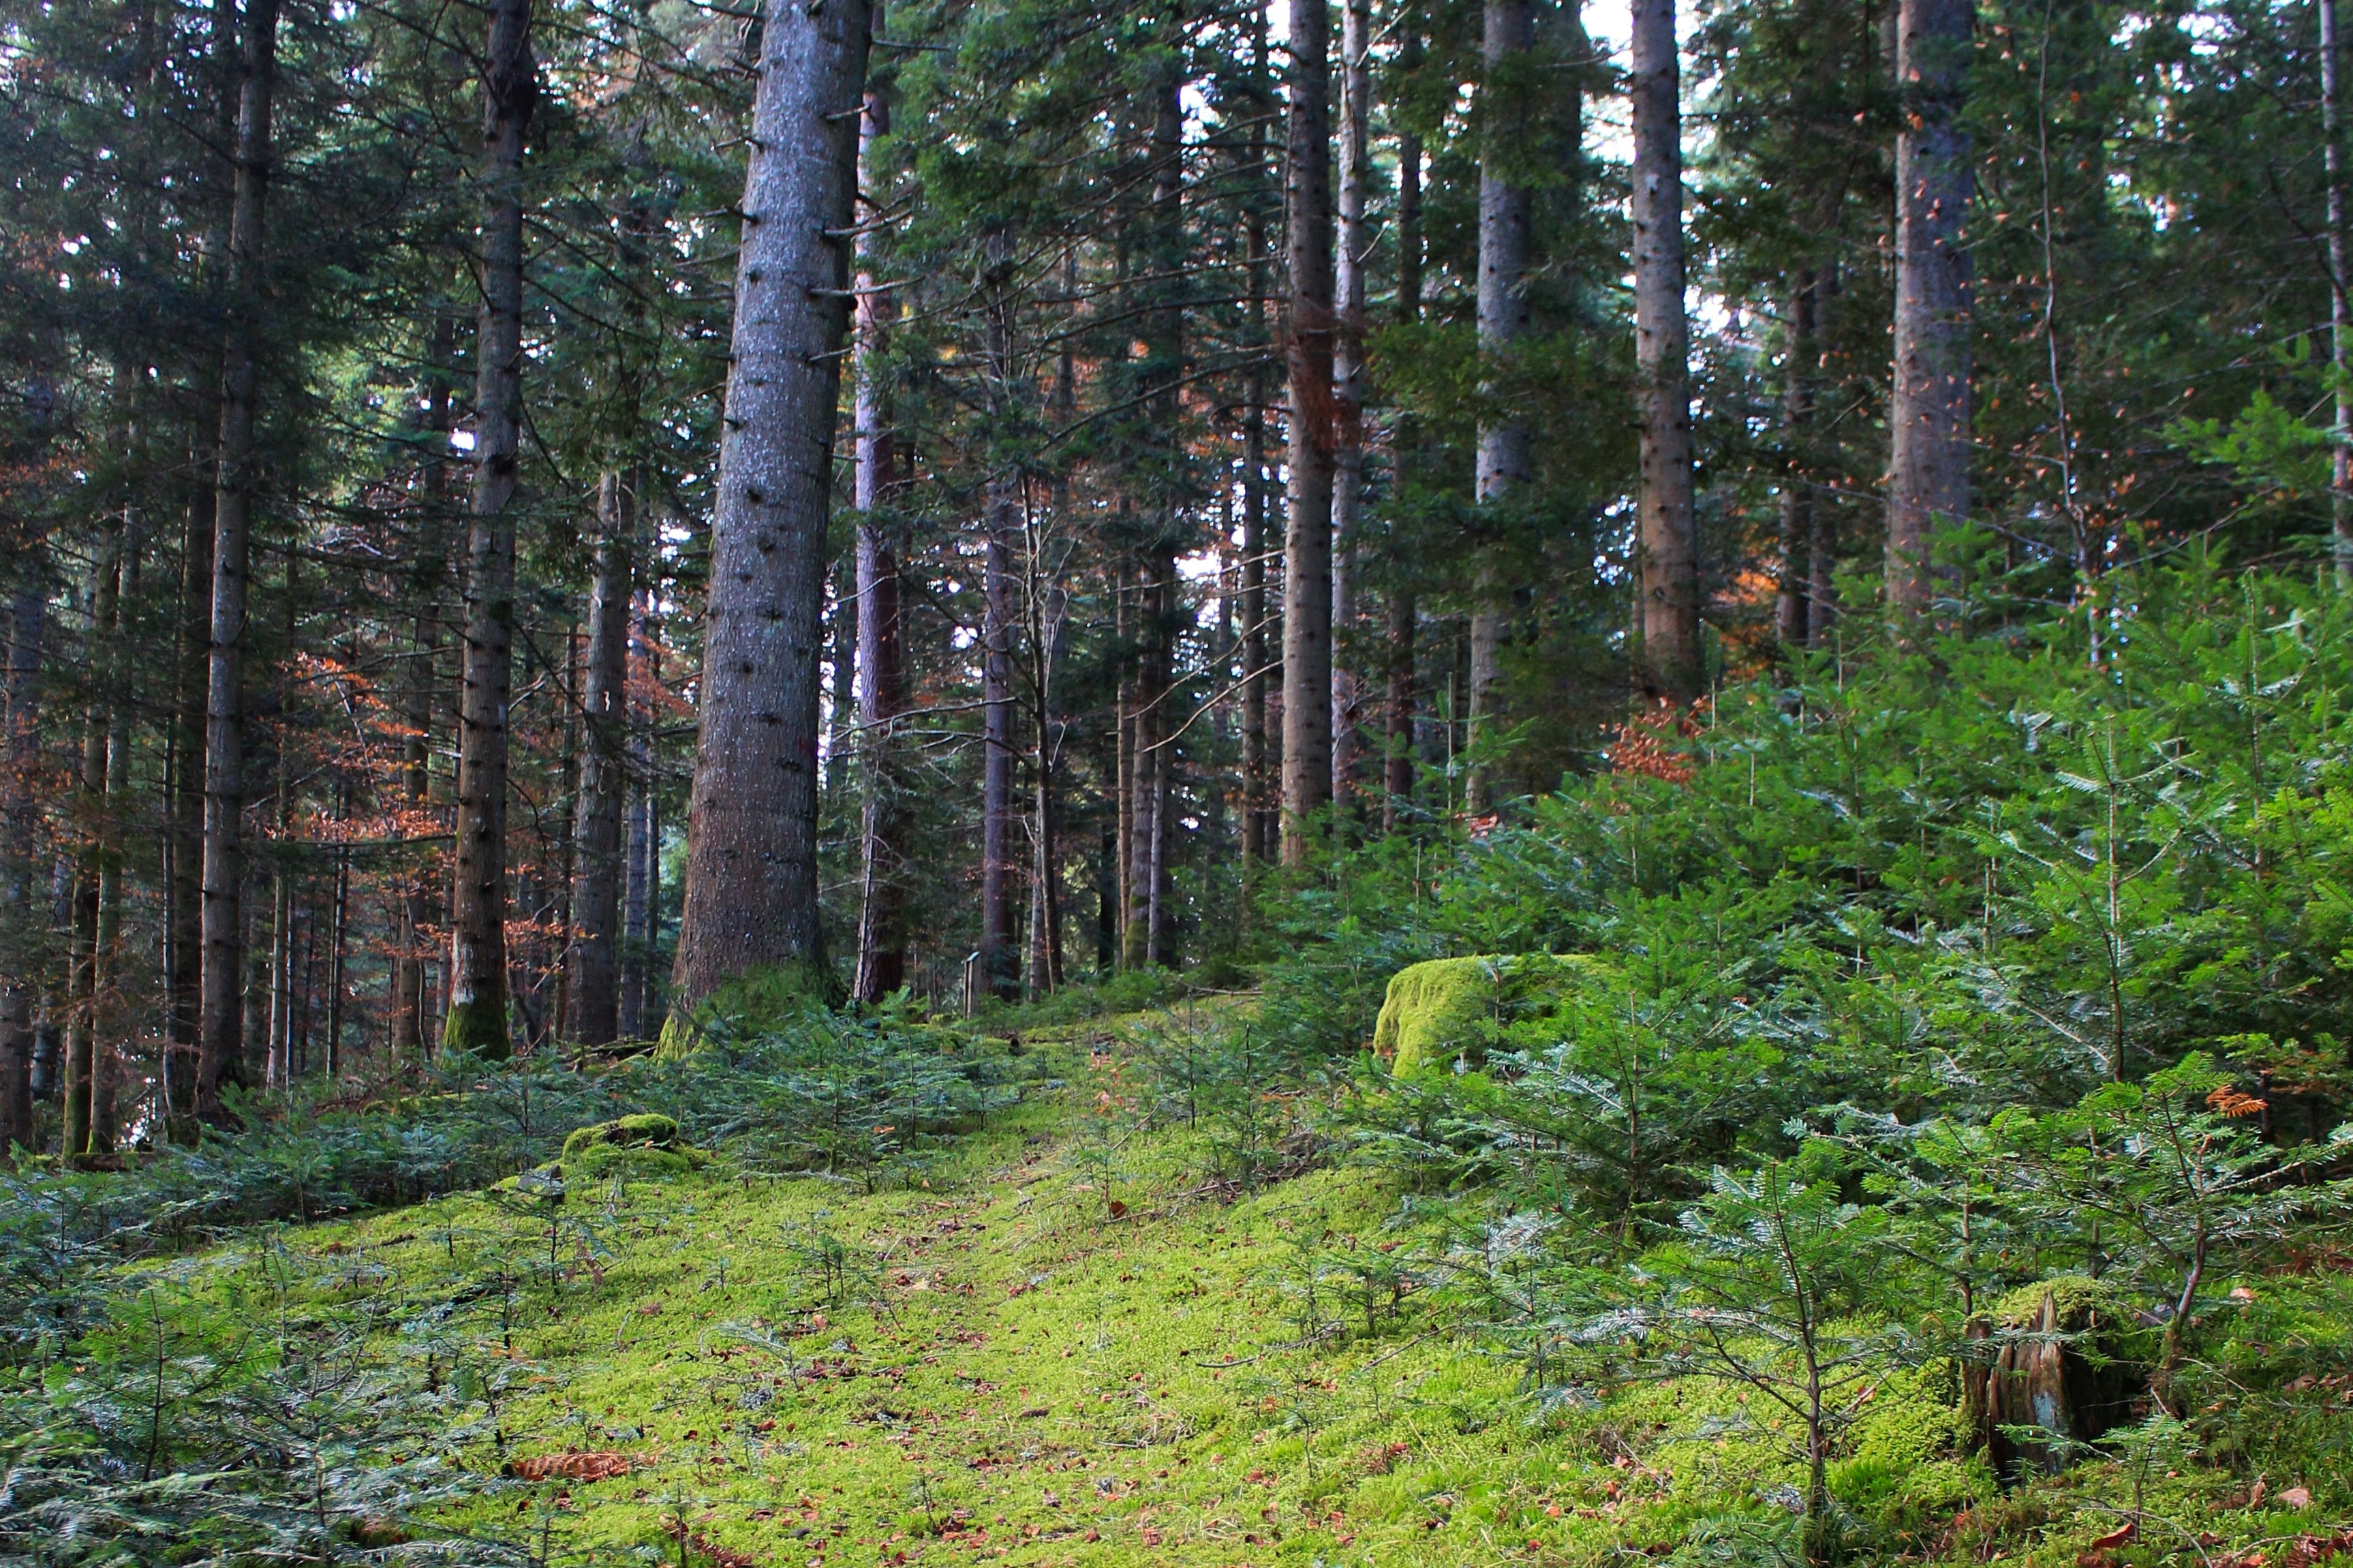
106	1013
640	907
593	997
1790	610
2340	307
84	1133
1505	462
750	878
21	958
411	1033
1398	766
1928	421
1000	961
1143	935
1669	580
183	915
477	1018
220	1025
1350	390
1258	817
881	658
1312	420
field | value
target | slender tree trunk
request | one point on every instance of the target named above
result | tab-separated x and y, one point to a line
21	958
881	659
221	1021
106	1012
2341	311
184	933
1050	618
1928	419
1669	668
593	998
1351	388
83	1135
411	1032
1124	617
1398	768
1312	421
1506	462
1796	509
751	880
1258	819
477	1019
1000	959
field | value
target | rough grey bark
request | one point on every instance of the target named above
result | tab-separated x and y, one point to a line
183	890
106	1013
593	1000
881	658
1000	959
1351	388
476	1016
1791	617
1929	417
21	958
1669	579
1398	768
1143	933
411	1034
1312	420
1504	463
1259	832
220	1025
2340	309
750	876
83	1133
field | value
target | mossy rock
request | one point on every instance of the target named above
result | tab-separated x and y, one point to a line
1453	1007
644	1130
635	1161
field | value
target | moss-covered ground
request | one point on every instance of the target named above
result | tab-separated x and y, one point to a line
1062	1347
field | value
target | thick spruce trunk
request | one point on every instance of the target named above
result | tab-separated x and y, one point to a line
1505	461
1669	668
1258	818
751	878
21	956
477	1017
220	1023
1351	389
1312	421
592	999
1928	416
881	658
1794	571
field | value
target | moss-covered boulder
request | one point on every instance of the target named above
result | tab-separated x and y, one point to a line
646	1130
1455	1007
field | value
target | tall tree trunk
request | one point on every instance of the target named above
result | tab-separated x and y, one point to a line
220	1031
1050	616
21	926
1000	959
1669	583
2340	309
1796	501
750	878
1506	462
1148	779
1351	389
1398	767
1258	818
477	1019
593	997
412	1033
83	1135
881	658
1928	419
1307	567
106	1013
183	934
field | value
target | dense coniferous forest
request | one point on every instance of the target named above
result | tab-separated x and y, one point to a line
900	780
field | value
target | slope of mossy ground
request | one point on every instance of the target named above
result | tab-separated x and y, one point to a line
1063	1350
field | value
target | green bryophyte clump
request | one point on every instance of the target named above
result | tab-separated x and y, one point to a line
1458	1007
